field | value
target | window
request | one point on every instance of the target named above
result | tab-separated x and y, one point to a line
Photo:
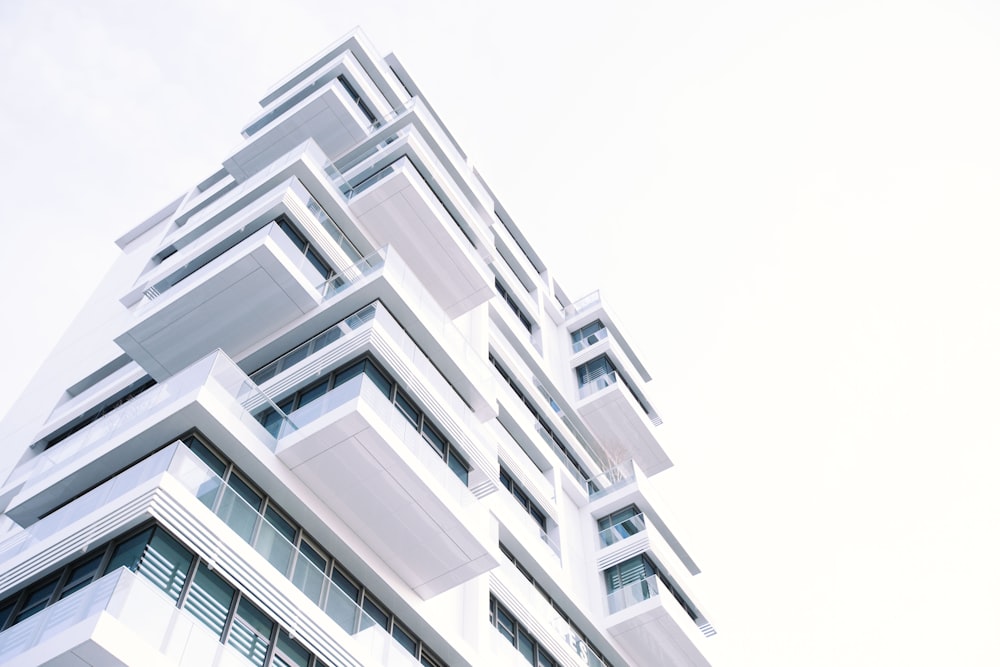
620	525
507	481
578	642
93	415
512	304
272	419
353	94
286	546
639	576
588	335
155	555
511	630
599	370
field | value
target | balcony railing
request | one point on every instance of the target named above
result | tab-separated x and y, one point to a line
314	344
240	392
596	384
542	606
633	593
298	257
267	540
592	339
622	530
582	305
358	271
611	479
570	467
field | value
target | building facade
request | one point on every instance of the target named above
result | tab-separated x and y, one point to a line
330	408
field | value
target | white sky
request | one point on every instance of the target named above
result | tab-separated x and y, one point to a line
792	206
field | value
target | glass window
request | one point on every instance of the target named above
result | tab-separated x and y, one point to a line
404	638
250	633
309	569
526	645
36	599
275	540
209	600
289	653
166	564
81	575
376	612
458	466
310	394
129	552
594	369
434	438
380	380
201	450
406	408
6	609
505	624
239	506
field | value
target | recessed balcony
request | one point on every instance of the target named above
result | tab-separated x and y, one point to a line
621	486
365	460
254	288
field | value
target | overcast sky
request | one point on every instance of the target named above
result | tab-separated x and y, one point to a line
792	207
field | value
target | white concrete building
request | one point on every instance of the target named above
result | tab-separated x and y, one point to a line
330	408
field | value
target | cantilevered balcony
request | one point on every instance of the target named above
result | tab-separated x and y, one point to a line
118	620
256	287
177	489
328	110
652	627
609	405
209	395
365	460
396	203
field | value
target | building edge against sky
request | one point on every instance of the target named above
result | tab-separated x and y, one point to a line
329	407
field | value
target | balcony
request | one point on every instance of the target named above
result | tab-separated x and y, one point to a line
323	110
209	395
185	496
652	627
396	203
118	620
254	288
609	406
536	611
363	459
624	485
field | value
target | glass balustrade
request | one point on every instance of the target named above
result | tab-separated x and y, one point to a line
270	542
622	530
611	479
596	384
633	593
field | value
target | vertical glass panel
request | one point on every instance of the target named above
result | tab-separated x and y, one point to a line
251	632
405	407
81	575
214	463
274	540
238	507
505	624
380	380
290	653
459	467
36	599
309	568
209	600
166	564
6	609
434	438
310	394
376	612
129	552
404	638
526	645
